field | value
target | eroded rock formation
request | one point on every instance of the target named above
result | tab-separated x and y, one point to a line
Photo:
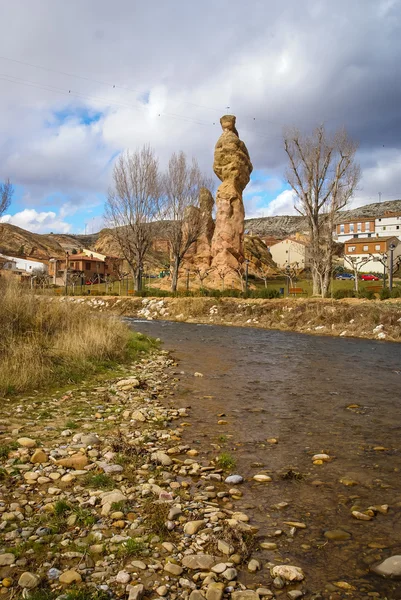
233	167
200	253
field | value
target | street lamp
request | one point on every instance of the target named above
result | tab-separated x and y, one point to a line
187	280
390	275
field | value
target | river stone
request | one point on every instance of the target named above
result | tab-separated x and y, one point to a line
69	577
224	547
136	592
26	442
7	559
219	568
268	545
193	527
39	456
215	591
234	479
123	577
162	458
76	461
391	567
295	594
196	595
287	572
262	478
198	561
173	569
28	580
89	439
230	574
128	384
138	415
253	565
245	595
111	497
337	535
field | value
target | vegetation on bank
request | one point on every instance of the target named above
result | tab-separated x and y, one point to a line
45	341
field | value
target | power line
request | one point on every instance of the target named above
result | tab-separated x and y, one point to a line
115	86
73	93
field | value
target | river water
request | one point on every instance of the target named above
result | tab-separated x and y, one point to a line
314	395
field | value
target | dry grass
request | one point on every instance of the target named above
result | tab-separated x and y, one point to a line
45	341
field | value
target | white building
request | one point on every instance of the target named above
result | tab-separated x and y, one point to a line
22	264
291	251
388	225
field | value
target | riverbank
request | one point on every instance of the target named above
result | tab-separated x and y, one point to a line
346	318
101	497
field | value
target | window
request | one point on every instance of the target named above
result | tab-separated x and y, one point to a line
351	248
359	226
367	226
384	228
397	226
351	228
87	266
365	248
369	235
341	228
377	247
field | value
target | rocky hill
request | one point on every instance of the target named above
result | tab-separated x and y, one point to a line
15	241
283	226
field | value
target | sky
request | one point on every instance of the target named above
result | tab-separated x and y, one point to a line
82	81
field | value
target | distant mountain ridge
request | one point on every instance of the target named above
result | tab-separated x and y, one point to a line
15	241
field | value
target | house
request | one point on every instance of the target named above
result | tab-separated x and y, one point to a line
85	266
22	264
355	228
389	224
291	251
373	248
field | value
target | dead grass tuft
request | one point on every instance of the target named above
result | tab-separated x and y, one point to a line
45	340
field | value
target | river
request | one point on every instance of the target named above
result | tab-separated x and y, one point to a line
337	396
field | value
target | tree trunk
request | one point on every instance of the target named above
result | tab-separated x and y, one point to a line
316	289
174	278
326	283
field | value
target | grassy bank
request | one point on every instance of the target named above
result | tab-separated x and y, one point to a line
350	317
44	341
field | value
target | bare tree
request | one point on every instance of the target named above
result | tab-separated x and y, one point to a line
6	194
356	263
263	272
202	274
182	183
222	272
132	207
323	174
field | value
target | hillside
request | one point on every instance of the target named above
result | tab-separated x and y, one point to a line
15	241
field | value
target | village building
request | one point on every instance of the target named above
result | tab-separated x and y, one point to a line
86	266
291	251
373	249
18	265
389	224
355	228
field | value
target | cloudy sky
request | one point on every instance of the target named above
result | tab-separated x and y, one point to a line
85	79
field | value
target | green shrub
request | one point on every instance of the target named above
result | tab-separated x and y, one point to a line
385	294
343	293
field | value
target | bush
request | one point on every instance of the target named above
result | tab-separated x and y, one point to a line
343	293
368	294
45	340
385	294
396	292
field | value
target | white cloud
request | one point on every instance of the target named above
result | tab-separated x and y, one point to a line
37	222
284	204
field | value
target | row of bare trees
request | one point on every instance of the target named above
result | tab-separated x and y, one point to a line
144	203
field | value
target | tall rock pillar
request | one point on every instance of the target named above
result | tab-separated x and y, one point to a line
233	167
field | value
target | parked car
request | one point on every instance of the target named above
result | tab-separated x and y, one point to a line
345	276
369	277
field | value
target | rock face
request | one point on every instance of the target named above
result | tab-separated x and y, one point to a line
233	167
204	244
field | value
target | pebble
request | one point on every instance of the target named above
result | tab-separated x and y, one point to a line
361	516
193	527
70	576
234	479
28	580
26	442
391	567
7	559
173	569
262	478
288	572
123	577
